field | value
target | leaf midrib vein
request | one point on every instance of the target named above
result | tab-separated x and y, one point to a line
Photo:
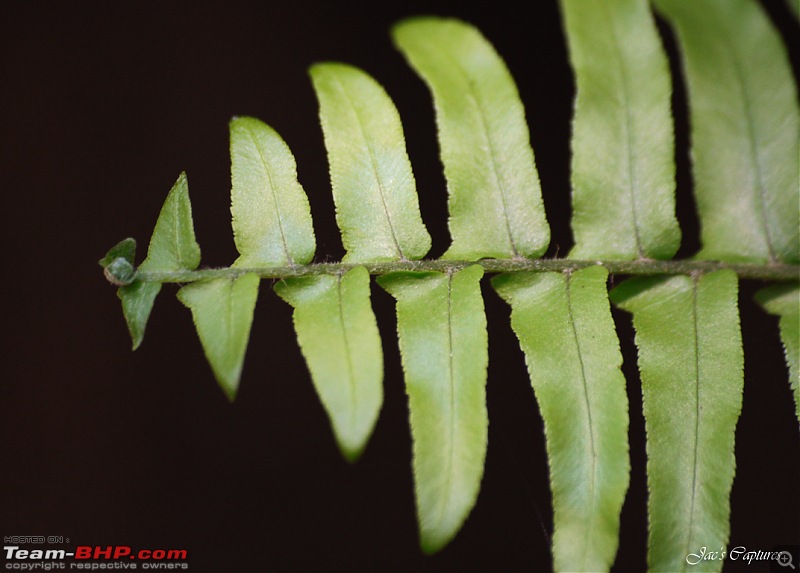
272	196
755	157
630	136
589	422
349	360
374	164
176	236
445	503
695	449
228	326
472	94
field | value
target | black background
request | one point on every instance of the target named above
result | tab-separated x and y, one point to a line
103	105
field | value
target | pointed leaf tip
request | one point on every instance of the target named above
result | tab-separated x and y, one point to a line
222	310
137	303
173	245
339	339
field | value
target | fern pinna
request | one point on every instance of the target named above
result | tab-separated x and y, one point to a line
744	131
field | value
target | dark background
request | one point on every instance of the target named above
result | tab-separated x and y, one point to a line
102	106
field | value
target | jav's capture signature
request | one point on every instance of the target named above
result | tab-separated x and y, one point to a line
705	555
740	553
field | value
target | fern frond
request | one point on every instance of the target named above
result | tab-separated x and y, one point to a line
744	115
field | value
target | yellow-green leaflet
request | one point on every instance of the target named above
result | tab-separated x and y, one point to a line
444	347
784	302
172	248
565	328
271	216
744	129
373	186
494	195
222	310
623	168
338	334
691	366
137	304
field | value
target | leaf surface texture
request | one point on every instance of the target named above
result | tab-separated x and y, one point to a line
223	313
271	215
744	129
338	334
373	185
623	169
494	194
444	347
565	328
691	367
173	247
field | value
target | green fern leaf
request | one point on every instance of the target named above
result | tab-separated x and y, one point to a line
623	170
495	200
338	335
223	313
173	247
137	303
691	366
443	342
784	302
744	118
125	250
373	186
271	216
565	328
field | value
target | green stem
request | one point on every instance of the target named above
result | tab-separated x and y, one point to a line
771	272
